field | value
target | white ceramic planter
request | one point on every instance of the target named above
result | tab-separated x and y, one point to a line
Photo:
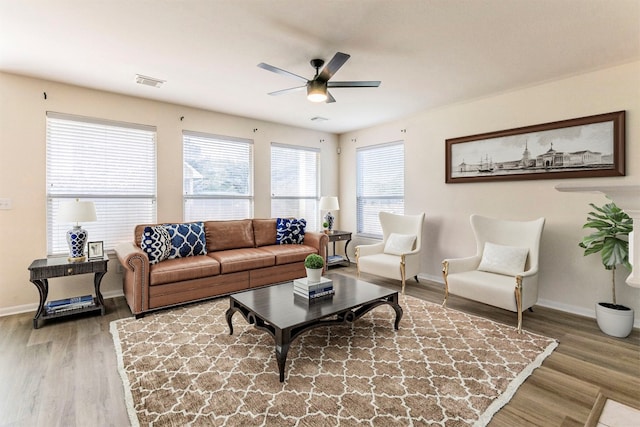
314	274
617	323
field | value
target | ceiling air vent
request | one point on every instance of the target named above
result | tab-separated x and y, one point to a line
148	81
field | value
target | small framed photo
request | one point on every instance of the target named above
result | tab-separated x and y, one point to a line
96	250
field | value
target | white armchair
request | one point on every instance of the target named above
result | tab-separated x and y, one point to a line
504	271
398	255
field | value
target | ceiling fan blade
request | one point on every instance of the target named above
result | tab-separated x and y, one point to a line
370	83
280	71
330	98
334	65
283	91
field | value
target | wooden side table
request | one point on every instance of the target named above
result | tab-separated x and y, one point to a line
338	236
43	269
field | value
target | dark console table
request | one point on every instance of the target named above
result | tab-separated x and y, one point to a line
43	269
338	236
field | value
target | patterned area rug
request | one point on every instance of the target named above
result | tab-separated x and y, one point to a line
442	367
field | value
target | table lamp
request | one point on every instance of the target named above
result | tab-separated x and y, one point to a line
77	212
329	203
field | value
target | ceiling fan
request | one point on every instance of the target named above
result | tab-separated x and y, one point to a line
317	88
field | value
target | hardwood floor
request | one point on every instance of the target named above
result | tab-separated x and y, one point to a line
64	374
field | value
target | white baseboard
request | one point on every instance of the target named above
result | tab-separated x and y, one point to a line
580	311
25	308
431	278
17	309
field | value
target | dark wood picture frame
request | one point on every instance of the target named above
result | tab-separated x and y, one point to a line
586	147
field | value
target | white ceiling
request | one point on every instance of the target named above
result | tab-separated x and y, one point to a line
427	53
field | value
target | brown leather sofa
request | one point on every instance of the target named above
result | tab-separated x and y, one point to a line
241	254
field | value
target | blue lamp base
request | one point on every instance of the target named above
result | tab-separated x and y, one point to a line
329	218
77	239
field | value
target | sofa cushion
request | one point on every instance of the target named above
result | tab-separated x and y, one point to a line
242	259
381	264
500	259
287	254
488	288
223	235
180	269
187	239
399	244
264	231
156	243
290	230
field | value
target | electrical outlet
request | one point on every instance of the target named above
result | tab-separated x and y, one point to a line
118	268
6	204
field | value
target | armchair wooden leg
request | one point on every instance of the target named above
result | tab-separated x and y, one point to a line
416	277
518	293
402	273
445	272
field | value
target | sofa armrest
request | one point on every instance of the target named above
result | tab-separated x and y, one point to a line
529	289
459	265
126	251
530	272
319	241
365	250
135	276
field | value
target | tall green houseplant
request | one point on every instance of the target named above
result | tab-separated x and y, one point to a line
611	238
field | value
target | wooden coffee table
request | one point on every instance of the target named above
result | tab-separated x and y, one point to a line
276	310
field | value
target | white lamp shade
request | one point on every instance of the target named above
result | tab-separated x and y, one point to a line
77	211
329	203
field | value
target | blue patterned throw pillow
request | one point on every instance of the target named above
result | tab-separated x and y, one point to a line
187	239
290	230
156	243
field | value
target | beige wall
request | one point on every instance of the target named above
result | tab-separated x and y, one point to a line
568	280
22	170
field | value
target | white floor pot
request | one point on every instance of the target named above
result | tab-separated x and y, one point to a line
617	322
314	274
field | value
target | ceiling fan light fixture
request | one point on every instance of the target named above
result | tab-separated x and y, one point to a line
316	91
317	88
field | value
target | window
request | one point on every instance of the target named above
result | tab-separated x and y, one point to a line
217	177
110	163
295	183
380	185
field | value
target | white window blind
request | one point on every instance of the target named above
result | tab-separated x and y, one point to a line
380	185
217	177
295	188
112	164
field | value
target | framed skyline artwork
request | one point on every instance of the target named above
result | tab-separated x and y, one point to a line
585	147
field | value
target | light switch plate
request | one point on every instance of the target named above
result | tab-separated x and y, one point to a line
5	204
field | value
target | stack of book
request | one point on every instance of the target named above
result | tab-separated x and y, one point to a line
67	304
332	259
311	290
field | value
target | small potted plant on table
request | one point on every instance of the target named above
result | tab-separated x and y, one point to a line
325	227
611	239
314	263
